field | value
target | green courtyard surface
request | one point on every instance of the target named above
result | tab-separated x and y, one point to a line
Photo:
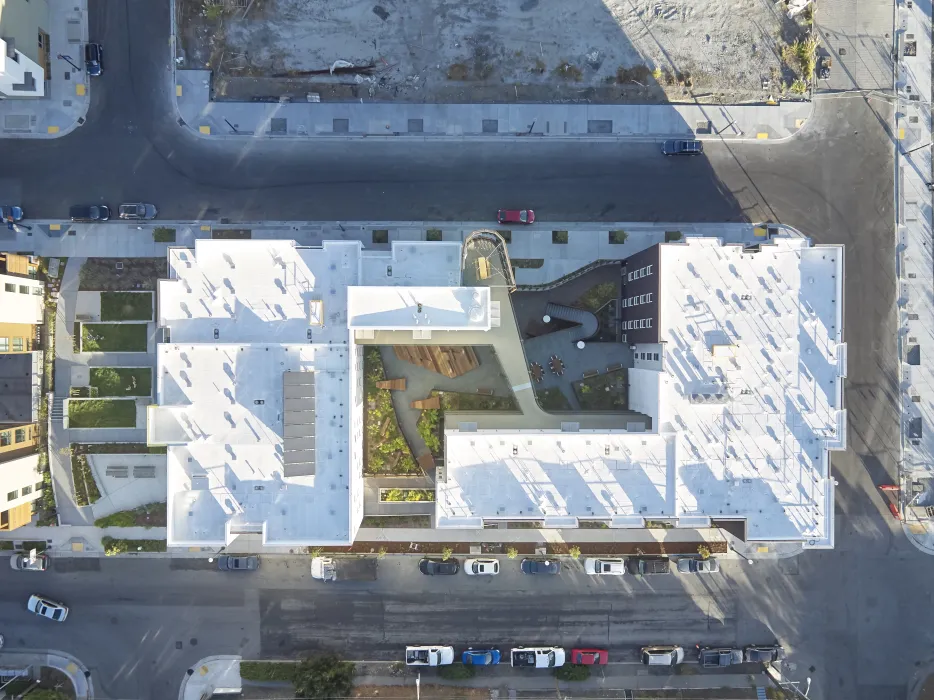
122	381
113	337
126	306
101	413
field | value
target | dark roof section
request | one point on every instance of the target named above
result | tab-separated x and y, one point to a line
298	423
16	387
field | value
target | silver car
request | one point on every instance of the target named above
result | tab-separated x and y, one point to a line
23	562
698	566
43	607
138	211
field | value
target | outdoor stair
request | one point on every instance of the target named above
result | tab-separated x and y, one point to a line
58	410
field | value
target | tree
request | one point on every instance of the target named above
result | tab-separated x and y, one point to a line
324	677
704	551
574	551
446	553
512	552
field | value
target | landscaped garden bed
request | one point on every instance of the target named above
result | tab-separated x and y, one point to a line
117	274
122	381
116	448
86	491
552	399
396	521
402	495
149	515
114	546
386	450
101	413
114	337
604	392
126	306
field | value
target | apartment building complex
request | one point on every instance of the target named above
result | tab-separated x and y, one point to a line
24	48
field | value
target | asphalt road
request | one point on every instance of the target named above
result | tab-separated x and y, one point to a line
859	615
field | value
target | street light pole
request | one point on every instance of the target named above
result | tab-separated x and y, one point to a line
418	686
67	59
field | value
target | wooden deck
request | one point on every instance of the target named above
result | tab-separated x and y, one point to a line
451	361
392	384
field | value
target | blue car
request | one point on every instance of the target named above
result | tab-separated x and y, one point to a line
11	213
480	657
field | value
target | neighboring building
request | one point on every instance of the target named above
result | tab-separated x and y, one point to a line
736	390
24	48
21	317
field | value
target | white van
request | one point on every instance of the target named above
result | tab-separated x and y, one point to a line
605	567
662	655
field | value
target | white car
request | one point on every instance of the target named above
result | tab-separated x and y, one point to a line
429	656
605	567
47	608
481	567
29	562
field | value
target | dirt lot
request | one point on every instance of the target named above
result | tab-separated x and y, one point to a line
599	51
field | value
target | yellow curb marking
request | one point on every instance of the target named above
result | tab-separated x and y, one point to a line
79	89
760	232
799	123
71	668
178	90
77	546
762	135
205	228
53	129
55	227
901	133
762	550
203	670
204	129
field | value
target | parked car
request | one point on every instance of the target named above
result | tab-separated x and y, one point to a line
766	653
646	566
439	567
481	567
481	657
605	567
429	656
23	562
589	657
238	563
93	58
710	657
682	147
137	212
8	213
536	657
43	607
89	212
665	655
540	566
515	216
688	565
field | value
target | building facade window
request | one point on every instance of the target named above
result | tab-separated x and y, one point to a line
17	344
37	291
9	287
4	345
23	289
12	495
20	435
5	437
26	490
38	487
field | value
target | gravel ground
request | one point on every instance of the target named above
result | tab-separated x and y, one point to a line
492	50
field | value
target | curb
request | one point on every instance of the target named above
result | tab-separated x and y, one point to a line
61	661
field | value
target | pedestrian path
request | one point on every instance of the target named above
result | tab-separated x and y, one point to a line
247	120
67	96
913	173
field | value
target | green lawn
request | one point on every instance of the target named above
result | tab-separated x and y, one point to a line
111	337
126	306
552	399
604	392
122	381
102	413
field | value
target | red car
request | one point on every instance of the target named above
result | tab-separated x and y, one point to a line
515	216
589	657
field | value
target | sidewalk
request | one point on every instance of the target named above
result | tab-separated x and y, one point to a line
66	663
913	222
239	120
67	96
586	242
211	675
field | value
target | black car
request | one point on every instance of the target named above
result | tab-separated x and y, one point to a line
94	59
91	212
765	653
540	566
238	563
682	147
439	567
710	657
646	566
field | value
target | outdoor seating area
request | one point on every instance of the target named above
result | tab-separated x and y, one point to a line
537	371
556	365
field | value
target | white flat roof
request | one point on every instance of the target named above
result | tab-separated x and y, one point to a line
419	308
748	405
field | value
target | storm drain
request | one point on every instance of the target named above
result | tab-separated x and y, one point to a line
599	126
341	126
416	126
490	126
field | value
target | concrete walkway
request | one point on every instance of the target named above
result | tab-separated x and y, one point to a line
356	120
64	106
211	675
76	671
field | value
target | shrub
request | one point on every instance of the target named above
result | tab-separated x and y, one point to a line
618	237
512	552
457	672
381	235
163	234
446	553
574	551
704	551
572	672
381	553
671	236
268	670
559	237
113	546
324	677
433	234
